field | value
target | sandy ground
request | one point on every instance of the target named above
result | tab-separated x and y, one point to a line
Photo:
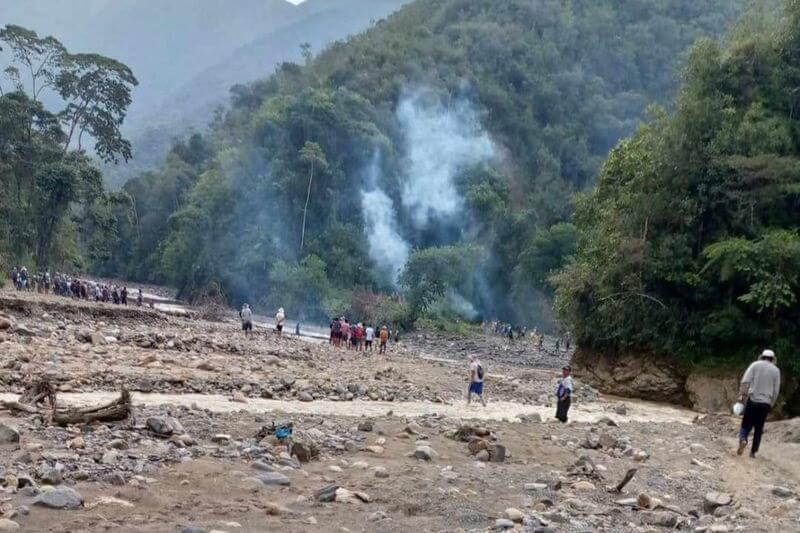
191	369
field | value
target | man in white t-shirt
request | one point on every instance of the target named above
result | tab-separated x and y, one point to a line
475	379
369	335
246	314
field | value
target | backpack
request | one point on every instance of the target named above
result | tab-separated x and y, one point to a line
480	371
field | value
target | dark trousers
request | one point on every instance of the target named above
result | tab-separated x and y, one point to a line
755	414
562	407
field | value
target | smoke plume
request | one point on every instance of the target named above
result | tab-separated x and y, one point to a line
387	248
440	142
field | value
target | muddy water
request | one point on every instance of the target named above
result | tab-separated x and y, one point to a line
582	412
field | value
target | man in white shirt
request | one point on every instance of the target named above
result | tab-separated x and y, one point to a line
369	335
760	387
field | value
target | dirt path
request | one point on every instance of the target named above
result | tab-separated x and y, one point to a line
588	412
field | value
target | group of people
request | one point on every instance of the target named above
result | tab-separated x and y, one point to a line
564	387
359	337
67	286
246	316
536	337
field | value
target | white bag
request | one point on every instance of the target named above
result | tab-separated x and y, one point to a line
738	408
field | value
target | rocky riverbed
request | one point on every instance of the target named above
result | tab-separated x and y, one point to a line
375	444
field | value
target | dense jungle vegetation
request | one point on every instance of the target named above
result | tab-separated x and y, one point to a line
688	246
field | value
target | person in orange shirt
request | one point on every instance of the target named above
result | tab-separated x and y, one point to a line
384	337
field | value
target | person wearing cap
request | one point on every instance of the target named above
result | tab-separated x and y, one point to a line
759	390
564	394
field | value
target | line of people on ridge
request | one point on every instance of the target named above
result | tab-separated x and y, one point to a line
63	285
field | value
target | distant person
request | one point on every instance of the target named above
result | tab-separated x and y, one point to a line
345	334
139	298
567	340
124	296
384	338
564	394
360	336
396	337
369	336
280	318
475	380
760	387
246	314
297	329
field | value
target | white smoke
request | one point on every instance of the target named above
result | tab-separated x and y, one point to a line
440	142
387	248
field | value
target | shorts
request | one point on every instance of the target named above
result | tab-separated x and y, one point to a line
476	387
279	327
369	344
247	326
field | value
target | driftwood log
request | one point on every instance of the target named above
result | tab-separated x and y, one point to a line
40	398
114	411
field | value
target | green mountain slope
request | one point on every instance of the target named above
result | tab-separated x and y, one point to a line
466	124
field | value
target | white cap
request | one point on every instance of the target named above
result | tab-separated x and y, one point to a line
768	354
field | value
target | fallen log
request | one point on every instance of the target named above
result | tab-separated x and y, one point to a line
114	411
18	406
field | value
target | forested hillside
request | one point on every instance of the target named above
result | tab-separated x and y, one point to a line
689	245
461	127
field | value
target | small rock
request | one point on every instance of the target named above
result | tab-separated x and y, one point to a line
660	518
275	478
8	434
60	498
535	487
716	499
115	478
8	525
77	443
381	472
482	456
159	426
424	453
621	409
239	397
514	514
326	493
644	501
640	456
782	492
273	509
503	523
583	486
365	425
50	475
305	397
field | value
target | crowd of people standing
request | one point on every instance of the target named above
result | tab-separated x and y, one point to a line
360	337
71	287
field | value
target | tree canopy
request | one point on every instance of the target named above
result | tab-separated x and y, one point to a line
49	186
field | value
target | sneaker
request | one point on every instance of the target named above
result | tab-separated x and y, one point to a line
752	455
742	446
